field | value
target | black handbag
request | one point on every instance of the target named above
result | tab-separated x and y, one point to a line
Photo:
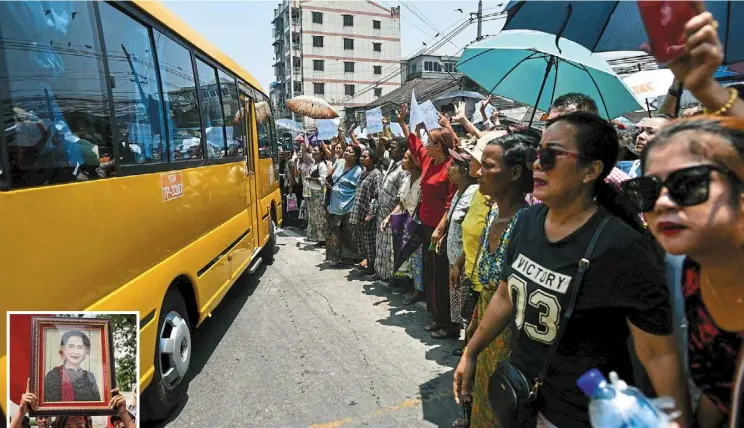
511	395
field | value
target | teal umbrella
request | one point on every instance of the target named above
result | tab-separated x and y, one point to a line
534	68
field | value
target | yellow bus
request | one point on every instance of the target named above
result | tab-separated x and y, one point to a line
138	171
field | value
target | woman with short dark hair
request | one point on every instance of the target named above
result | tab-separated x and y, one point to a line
363	214
343	179
436	196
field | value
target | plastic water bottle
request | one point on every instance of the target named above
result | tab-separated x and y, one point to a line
617	405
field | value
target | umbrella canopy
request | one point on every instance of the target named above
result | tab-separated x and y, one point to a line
312	107
527	67
459	94
290	125
606	26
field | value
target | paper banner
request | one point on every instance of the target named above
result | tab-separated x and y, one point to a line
415	112
396	129
374	120
327	128
478	117
429	115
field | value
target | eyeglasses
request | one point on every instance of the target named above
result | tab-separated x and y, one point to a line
547	156
687	187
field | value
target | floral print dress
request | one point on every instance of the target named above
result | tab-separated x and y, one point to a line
489	272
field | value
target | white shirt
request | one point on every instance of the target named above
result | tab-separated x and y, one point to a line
410	194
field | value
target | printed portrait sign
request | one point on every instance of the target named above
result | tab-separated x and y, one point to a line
72	366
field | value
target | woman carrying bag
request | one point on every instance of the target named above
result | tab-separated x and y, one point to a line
578	279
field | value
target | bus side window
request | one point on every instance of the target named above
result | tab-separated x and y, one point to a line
264	124
243	125
211	111
138	114
230	106
55	104
179	85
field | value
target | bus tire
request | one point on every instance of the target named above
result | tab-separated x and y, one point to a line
267	253
171	378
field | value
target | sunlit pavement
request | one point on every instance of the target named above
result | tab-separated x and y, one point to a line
301	345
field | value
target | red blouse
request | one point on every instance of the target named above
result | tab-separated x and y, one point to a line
436	190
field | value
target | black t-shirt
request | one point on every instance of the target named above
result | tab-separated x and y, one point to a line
625	282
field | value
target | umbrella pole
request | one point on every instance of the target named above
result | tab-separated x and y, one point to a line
542	87
648	108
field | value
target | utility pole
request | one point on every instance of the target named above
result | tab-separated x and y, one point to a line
480	21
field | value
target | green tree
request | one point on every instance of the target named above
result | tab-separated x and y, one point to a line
125	347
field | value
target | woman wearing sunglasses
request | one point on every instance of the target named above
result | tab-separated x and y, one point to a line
623	291
691	196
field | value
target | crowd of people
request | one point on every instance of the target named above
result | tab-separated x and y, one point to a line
583	246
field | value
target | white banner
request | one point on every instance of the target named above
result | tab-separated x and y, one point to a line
327	128
429	115
478	117
396	129
415	113
374	120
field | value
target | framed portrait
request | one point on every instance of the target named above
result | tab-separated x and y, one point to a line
72	366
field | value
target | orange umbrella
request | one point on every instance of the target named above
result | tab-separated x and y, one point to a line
312	107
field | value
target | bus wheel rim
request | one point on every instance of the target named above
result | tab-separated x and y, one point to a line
175	350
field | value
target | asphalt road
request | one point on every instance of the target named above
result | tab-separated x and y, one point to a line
301	345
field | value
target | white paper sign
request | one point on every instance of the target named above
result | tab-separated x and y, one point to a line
429	115
415	113
374	120
327	128
477	116
396	130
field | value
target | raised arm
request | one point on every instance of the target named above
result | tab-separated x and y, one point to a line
401	118
696	69
463	120
354	140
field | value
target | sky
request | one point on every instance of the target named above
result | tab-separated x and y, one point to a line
242	29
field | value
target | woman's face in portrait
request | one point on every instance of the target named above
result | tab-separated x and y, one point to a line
74	351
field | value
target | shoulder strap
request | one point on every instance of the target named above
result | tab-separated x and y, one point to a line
342	175
576	285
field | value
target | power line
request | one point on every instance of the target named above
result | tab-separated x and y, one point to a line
390	76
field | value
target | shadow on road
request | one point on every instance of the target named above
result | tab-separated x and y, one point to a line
438	406
213	329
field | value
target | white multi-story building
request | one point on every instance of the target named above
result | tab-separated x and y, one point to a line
346	52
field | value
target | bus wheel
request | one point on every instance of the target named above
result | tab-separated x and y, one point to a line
172	358
267	254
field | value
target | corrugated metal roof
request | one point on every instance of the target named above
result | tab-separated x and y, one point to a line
426	89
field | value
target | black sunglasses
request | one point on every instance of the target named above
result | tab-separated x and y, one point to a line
547	156
687	187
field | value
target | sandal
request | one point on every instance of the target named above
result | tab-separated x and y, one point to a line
444	334
460	423
433	326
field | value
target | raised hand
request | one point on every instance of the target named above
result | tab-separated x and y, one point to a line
28	399
460	112
486	102
401	116
704	52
